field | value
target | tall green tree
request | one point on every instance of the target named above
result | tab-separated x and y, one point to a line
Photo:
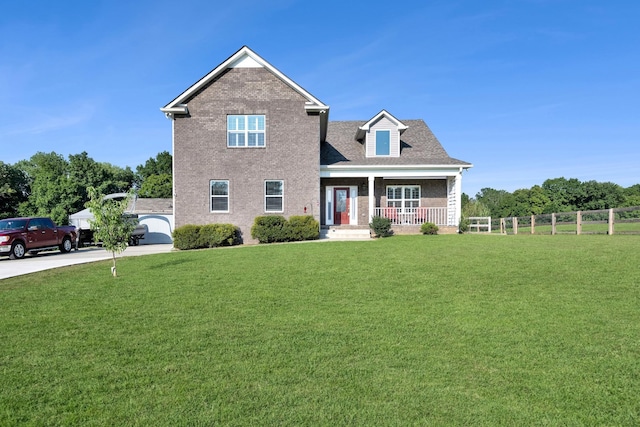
157	186
493	200
14	190
110	224
565	195
602	195
155	177
53	192
632	195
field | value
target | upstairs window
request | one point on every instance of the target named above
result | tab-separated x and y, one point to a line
383	143
219	195
245	131
274	196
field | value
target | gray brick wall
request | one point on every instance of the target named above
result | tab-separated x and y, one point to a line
291	154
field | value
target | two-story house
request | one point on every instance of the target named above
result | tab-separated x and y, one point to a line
249	141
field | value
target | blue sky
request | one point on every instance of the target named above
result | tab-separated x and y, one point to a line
525	90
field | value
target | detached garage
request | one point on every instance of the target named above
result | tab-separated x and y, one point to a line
155	217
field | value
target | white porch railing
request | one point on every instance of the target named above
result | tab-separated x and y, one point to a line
413	216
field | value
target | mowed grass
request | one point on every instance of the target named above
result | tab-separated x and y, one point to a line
408	330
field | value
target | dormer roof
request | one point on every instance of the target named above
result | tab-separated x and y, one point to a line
362	130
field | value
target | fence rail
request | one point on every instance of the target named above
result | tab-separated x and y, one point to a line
603	221
479	224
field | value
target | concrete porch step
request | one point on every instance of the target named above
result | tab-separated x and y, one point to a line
341	233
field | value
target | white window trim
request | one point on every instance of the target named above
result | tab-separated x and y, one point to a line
403	199
211	196
273	196
246	131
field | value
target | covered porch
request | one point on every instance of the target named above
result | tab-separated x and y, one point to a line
408	196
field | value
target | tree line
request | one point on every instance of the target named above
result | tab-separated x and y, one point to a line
554	195
47	184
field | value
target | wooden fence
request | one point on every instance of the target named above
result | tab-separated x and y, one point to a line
479	224
605	221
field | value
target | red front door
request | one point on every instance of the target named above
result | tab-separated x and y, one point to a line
341	206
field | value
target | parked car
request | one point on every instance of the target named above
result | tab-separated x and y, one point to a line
21	235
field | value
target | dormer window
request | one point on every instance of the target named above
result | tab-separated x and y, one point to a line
381	135
383	140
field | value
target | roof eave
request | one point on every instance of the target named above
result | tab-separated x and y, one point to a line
170	112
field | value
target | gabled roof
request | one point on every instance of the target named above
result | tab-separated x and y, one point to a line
418	146
245	58
362	130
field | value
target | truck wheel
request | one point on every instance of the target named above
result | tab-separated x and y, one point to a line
17	250
66	245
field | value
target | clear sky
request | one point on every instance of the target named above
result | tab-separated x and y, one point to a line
525	90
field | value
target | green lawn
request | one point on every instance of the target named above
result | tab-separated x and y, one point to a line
408	330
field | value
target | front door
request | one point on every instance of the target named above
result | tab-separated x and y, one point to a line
341	209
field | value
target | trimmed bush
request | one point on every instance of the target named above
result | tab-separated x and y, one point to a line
302	227
275	228
429	228
380	226
214	235
186	237
205	236
269	229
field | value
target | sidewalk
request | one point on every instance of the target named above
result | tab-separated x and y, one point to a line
54	259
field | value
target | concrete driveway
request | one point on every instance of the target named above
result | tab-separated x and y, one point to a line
55	259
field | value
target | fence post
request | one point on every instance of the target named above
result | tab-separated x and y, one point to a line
489	225
553	223
533	224
611	218
579	223
503	226
514	220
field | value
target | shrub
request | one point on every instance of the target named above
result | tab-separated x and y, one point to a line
214	235
302	227
429	228
269	229
463	227
275	228
380	226
186	237
205	236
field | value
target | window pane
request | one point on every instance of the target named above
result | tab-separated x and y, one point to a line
274	204
219	188
383	138
256	139
256	123
274	188
219	203
411	192
394	192
235	123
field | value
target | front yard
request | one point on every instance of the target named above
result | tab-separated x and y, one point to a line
408	330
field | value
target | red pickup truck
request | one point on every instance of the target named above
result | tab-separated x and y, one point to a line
21	235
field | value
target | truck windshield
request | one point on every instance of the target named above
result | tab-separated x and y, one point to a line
12	224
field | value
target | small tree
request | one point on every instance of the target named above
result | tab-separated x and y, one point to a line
109	223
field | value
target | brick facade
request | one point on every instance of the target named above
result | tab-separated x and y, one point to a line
291	152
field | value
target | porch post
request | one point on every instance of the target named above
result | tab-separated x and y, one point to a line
458	195
372	197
